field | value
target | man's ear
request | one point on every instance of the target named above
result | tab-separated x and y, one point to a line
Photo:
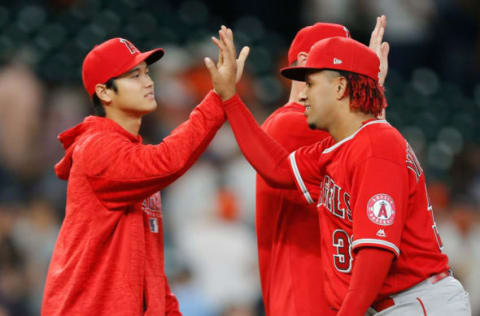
302	58
340	86
103	93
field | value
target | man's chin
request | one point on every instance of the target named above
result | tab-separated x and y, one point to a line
152	107
146	110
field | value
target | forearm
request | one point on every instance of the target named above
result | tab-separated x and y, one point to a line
122	172
369	272
189	140
267	156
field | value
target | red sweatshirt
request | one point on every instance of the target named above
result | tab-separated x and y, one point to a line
108	259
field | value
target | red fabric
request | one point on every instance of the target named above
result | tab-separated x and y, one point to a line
288	230
337	53
369	272
108	259
311	34
265	154
370	191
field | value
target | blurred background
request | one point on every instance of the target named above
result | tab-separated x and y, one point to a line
433	90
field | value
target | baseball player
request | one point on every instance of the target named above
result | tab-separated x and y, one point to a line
287	228
381	252
108	259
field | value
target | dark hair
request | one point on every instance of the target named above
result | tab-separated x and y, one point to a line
98	108
366	95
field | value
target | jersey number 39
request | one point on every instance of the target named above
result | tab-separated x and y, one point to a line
343	258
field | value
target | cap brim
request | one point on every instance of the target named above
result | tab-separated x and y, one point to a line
296	73
153	55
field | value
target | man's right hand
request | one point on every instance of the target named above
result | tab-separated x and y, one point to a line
380	48
228	70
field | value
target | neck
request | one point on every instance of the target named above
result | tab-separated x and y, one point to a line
129	122
349	123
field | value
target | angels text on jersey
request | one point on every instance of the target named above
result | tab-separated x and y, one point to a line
334	199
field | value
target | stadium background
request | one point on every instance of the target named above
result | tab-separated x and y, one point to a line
433	89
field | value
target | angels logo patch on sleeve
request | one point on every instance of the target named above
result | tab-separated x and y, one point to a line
381	209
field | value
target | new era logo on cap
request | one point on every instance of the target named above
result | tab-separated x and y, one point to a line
336	61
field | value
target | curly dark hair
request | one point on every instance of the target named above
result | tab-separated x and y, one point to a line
366	95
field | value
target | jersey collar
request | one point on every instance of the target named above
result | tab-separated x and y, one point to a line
346	139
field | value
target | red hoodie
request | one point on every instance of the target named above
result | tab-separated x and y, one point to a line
108	259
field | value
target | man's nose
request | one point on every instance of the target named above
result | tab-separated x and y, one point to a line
148	80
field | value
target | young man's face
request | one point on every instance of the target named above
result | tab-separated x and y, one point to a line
135	91
319	96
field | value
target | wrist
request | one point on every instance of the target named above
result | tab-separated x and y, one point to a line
232	102
225	95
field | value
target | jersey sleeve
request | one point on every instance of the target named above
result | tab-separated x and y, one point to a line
305	165
122	172
265	154
380	191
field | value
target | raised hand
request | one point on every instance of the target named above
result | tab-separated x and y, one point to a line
380	48
228	70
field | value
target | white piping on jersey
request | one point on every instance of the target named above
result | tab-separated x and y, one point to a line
329	149
376	242
298	177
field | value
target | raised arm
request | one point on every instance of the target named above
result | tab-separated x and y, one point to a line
123	172
268	157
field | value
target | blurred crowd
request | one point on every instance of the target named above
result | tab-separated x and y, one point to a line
433	91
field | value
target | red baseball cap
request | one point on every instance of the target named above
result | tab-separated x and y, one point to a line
309	35
111	59
337	53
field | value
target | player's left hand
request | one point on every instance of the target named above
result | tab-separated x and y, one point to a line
380	48
229	69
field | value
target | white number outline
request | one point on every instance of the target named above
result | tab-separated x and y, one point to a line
340	246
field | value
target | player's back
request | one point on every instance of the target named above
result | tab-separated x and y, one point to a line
288	229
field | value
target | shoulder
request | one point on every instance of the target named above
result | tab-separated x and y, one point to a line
288	126
100	144
289	114
316	149
384	141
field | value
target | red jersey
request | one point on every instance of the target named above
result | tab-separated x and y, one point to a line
108	259
370	191
287	230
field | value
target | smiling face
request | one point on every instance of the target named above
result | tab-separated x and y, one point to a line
320	98
134	94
